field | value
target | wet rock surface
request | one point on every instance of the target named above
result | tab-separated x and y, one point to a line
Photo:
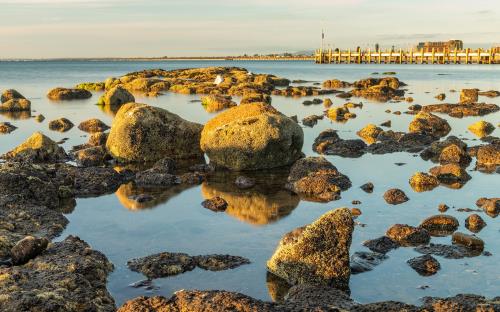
27	249
68	276
363	261
440	225
318	253
407	235
219	262
6	127
382	244
462	110
315	178
214	103
490	205
448	251
61	125
215	204
470	241
474	223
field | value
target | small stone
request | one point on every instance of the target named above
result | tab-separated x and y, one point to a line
363	261
443	207
421	182
93	125
395	197
440	225
220	262
425	265
408	235
162	264
215	204
61	125
243	182
40	118
387	124
474	223
356	212
367	187
382	244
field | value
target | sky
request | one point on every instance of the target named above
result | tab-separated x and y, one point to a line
150	28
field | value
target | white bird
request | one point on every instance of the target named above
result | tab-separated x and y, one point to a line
218	80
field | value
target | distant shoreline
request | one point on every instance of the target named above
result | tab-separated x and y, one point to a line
155	59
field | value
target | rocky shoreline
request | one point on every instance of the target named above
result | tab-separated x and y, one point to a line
148	147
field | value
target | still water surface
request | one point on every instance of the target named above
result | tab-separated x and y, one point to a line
257	218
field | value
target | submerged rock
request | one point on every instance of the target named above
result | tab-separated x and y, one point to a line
162	264
27	249
61	94
316	178
425	265
142	133
363	261
220	262
61	125
252	137
93	125
448	251
37	148
407	235
116	96
318	253
462	110
367	187
395	197
382	244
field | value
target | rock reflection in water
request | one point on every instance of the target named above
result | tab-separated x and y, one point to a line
277	287
16	115
110	110
133	197
266	202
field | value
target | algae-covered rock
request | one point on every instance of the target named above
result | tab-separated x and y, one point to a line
6	127
407	235
370	133
430	124
93	125
37	148
91	86
27	249
142	133
318	253
61	124
61	94
481	128
10	94
116	96
252	137
421	182
469	96
214	103
315	178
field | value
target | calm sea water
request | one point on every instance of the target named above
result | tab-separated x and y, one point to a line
259	217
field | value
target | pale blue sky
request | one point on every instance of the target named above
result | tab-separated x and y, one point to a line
125	28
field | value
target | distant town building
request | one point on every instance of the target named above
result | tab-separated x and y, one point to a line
441	46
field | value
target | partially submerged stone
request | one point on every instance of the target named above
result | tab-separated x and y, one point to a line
474	223
469	96
469	241
215	204
369	133
92	156
220	262
6	127
462	110
408	235
116	96
440	225
318	253
454	154
61	125
450	173
367	187
461	302
382	244
431	124
252	137
91	86
61	94
481	128
425	265
315	178
214	103
37	148
490	205
488	155
93	125
10	94
363	261
312	120
395	196
448	251
162	264
142	133
421	182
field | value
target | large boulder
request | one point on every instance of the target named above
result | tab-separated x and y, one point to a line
116	96
317	254
61	94
252	137
38	148
431	124
142	133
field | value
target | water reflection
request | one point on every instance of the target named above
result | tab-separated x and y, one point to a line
110	110
277	287
16	115
135	198
266	202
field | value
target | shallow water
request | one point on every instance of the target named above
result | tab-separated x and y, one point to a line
259	217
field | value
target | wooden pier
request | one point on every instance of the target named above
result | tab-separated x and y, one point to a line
466	56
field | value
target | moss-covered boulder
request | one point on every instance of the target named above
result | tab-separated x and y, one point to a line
38	148
15	105
142	133
252	137
91	86
116	96
215	103
317	254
